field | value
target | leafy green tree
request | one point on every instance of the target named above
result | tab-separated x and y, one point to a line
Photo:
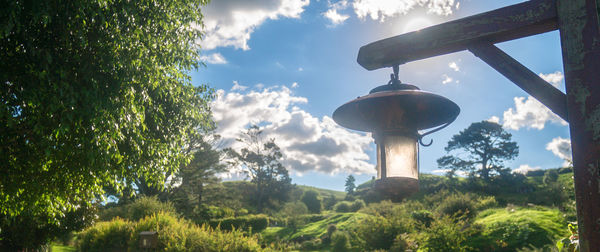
350	184
94	93
311	199
480	149
261	162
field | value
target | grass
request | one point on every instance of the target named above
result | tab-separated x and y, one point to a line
324	192
315	229
60	248
545	225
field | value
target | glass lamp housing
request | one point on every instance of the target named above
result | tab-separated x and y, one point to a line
397	156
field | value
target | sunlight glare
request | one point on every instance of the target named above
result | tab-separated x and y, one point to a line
415	24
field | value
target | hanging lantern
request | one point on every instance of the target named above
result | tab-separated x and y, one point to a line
395	113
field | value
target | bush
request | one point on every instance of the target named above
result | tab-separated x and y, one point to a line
140	208
255	222
347	206
174	234
329	202
445	234
215	212
311	244
342	207
106	236
146	206
423	217
459	206
311	199
357	205
340	241
486	203
377	232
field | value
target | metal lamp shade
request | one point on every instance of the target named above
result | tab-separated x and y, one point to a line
395	113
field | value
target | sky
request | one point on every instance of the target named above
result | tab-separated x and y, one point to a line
286	65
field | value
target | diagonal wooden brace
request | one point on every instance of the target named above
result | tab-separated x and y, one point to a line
527	80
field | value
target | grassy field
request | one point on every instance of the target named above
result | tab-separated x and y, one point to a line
60	248
316	229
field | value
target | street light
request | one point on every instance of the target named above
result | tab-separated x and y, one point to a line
395	113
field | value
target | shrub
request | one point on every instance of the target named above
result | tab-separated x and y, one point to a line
215	212
176	234
347	206
140	208
377	232
329	202
146	206
293	209
255	222
357	205
509	236
423	217
445	234
311	199
457	205
340	241
112	236
486	203
342	207
311	244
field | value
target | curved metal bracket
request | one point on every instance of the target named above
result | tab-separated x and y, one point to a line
420	136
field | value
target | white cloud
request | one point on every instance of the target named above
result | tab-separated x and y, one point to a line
231	22
214	58
295	85
446	79
453	66
494	119
457	172
524	169
381	9
300	69
555	78
561	147
237	86
529	112
333	15
307	143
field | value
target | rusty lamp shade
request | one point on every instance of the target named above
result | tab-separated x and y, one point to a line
395	113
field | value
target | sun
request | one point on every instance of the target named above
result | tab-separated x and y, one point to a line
415	24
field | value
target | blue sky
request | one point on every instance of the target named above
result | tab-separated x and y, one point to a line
286	65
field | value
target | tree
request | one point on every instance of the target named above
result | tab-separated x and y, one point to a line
311	199
201	172
350	184
94	93
259	159
480	149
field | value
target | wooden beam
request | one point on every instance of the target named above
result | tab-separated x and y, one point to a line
580	40
527	80
515	21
